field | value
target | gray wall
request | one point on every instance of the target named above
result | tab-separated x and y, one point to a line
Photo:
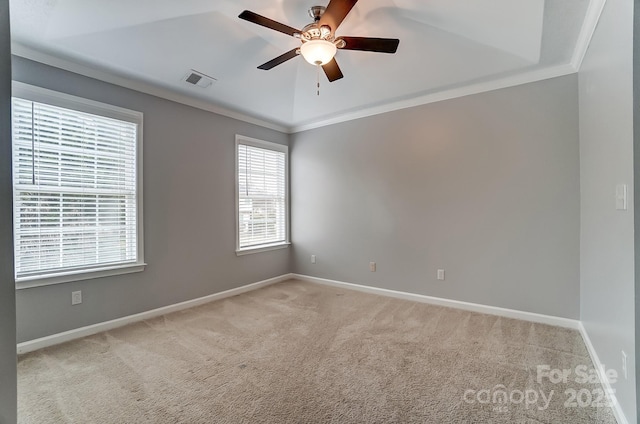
606	159
7	291
189	207
636	180
485	186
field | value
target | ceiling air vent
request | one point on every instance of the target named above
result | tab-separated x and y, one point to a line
199	79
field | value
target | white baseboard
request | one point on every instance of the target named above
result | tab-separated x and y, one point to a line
474	307
89	330
491	310
66	336
616	408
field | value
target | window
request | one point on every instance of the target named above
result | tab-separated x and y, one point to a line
262	195
76	187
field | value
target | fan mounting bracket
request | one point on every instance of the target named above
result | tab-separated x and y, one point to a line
316	12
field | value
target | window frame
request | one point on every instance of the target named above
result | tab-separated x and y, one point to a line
283	148
67	101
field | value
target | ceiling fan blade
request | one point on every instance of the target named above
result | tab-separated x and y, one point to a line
379	45
332	70
247	15
335	13
278	60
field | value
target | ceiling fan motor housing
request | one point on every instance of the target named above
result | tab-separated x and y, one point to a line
314	31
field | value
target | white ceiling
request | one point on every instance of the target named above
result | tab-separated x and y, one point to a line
444	45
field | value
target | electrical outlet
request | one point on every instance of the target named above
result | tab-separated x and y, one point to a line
313	259
624	364
440	274
372	266
76	297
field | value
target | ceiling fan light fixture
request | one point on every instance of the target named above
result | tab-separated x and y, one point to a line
318	52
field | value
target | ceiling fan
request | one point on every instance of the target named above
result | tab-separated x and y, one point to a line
319	43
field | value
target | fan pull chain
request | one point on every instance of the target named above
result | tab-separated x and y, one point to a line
318	79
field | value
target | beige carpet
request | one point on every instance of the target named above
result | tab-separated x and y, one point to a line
302	353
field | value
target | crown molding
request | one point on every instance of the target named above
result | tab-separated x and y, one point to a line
21	50
467	90
594	11
592	17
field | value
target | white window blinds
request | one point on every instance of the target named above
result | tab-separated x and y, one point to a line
262	195
75	196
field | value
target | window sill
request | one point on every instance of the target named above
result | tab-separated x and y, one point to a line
263	248
85	274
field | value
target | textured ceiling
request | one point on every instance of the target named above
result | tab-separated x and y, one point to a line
444	45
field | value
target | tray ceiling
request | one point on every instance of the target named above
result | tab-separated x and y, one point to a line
444	45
